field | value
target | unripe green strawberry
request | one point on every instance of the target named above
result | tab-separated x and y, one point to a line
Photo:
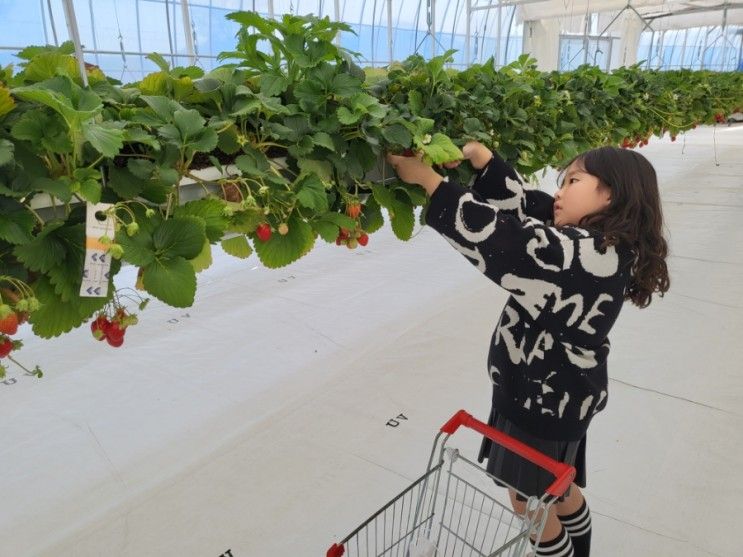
283	229
132	228
116	251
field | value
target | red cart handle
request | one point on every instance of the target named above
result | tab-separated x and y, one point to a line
564	473
336	551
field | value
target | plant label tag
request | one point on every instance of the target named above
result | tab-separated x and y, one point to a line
97	266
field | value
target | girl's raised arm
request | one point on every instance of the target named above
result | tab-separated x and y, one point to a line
499	184
531	260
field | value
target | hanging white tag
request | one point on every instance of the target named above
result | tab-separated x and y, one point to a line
97	266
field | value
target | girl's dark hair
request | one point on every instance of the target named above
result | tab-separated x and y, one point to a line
634	216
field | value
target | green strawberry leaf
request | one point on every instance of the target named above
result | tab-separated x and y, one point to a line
204	259
280	251
211	211
182	236
138	249
371	216
57	316
322	168
7	149
107	137
237	247
402	219
441	149
326	230
16	222
172	281
45	251
397	134
311	193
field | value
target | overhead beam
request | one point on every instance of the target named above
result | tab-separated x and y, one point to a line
693	10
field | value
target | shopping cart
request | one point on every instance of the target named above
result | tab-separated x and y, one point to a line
449	510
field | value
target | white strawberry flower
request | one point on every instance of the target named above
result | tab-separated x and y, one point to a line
427	139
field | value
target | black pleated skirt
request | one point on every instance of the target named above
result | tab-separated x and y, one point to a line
519	472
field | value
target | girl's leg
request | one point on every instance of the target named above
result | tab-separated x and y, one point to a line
575	516
571	503
554	536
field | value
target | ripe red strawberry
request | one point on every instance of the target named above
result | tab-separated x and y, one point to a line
115	332
344	233
363	239
353	210
673	138
9	324
6	347
100	326
117	342
264	232
408	153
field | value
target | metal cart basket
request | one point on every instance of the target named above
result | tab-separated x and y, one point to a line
450	509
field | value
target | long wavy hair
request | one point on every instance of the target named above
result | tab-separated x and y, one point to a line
634	216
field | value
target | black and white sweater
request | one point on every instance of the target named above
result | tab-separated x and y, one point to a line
547	358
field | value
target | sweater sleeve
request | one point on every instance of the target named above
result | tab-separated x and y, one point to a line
499	184
526	257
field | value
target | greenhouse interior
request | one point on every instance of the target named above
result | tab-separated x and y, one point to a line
218	332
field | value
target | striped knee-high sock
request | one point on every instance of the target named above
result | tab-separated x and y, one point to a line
578	526
559	547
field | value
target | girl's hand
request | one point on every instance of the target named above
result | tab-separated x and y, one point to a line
414	171
478	155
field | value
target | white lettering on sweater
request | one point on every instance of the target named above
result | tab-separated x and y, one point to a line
470	253
536	292
581	357
563	403
514	202
598	264
474	236
503	332
585	406
585	326
602	396
541	240
543	344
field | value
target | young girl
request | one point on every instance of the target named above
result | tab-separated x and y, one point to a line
569	262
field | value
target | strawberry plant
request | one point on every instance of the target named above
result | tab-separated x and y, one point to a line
297	132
